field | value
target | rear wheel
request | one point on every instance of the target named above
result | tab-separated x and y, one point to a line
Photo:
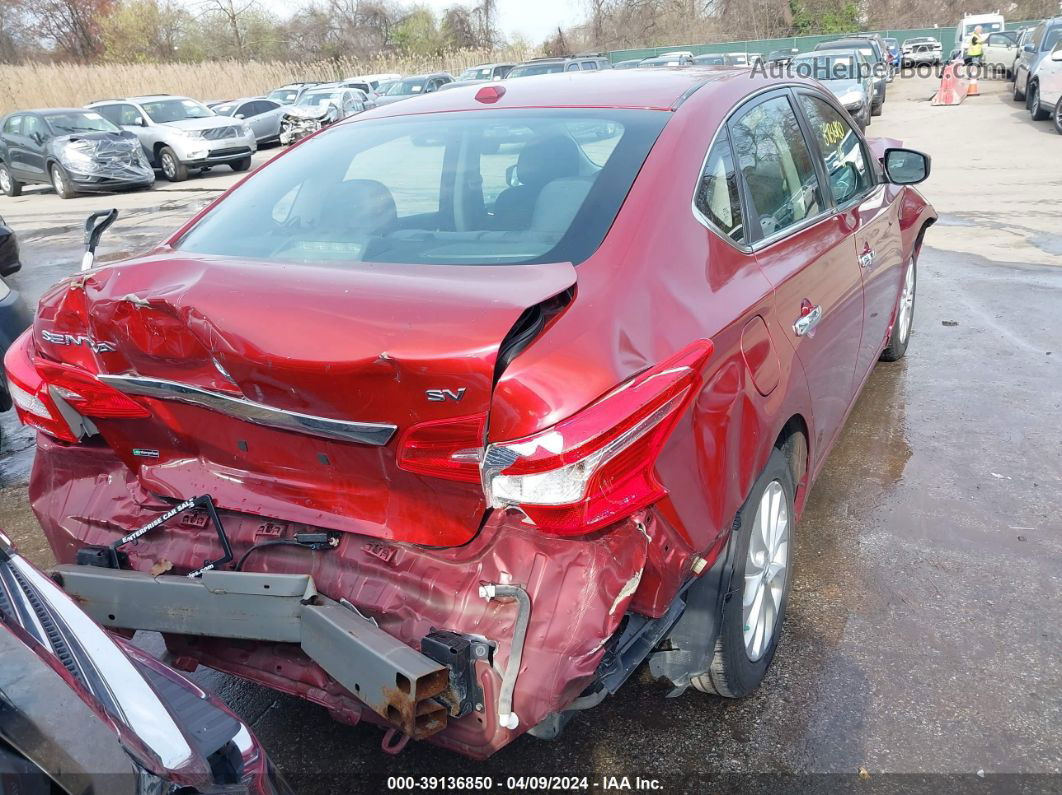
1036	108
8	184
1056	117
242	164
755	608
172	168
901	327
64	188
1019	95
876	110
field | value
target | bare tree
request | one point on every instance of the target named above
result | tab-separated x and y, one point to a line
73	26
233	12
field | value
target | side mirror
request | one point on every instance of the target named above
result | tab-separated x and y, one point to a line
239	116
138	121
1056	55
844	182
905	166
9	261
95	225
1029	48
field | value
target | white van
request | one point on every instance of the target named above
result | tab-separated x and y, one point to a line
990	23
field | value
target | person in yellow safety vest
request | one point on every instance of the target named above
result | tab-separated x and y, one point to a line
975	50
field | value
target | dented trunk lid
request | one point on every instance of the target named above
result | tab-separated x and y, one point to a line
283	391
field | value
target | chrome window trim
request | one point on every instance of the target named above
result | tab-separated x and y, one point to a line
697	215
370	433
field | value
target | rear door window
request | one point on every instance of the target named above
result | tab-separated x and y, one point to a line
717	199
776	165
13	126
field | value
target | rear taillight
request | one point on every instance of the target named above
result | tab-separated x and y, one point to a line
37	387
87	394
450	448
597	466
29	393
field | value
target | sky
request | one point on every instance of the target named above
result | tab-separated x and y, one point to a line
535	20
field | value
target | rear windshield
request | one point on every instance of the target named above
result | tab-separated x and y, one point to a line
531	69
490	187
71	122
828	67
403	88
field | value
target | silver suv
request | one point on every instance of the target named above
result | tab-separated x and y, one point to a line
180	134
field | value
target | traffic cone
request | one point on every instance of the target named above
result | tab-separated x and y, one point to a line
972	90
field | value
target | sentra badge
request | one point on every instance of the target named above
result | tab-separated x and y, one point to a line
98	346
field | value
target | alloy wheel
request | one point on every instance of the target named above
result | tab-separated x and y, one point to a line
5	180
766	568
1034	101
57	181
169	167
906	304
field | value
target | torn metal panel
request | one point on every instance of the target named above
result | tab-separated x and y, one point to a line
396	682
410	590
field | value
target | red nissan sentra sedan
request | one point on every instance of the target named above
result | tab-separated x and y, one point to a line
455	414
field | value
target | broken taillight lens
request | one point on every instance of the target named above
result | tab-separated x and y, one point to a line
87	394
450	448
597	466
29	393
36	384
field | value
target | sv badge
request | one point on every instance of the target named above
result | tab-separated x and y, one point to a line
439	395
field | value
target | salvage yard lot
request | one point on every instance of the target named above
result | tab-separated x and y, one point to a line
924	626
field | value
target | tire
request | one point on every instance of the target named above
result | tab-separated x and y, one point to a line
172	168
242	164
1019	96
1036	108
901	328
8	184
876	110
60	180
737	668
1056	116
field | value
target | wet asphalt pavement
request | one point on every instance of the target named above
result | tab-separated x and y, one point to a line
925	624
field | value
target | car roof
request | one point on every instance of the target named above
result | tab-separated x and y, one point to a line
658	89
150	98
46	110
849	42
840	51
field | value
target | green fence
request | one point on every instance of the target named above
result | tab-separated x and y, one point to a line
946	36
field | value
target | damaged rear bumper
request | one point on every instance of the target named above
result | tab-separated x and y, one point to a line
402	598
396	682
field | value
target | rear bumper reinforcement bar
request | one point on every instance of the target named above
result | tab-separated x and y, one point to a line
395	681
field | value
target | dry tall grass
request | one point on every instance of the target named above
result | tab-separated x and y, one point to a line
67	85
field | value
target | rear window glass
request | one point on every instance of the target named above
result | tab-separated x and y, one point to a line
490	187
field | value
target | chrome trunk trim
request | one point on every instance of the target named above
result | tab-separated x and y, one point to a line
371	433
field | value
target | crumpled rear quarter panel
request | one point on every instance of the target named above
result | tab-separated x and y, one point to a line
579	589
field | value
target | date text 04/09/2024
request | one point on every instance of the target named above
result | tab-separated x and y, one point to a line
524	783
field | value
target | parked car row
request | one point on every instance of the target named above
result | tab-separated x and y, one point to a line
1038	71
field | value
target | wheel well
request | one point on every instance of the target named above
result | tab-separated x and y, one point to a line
921	234
793	442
